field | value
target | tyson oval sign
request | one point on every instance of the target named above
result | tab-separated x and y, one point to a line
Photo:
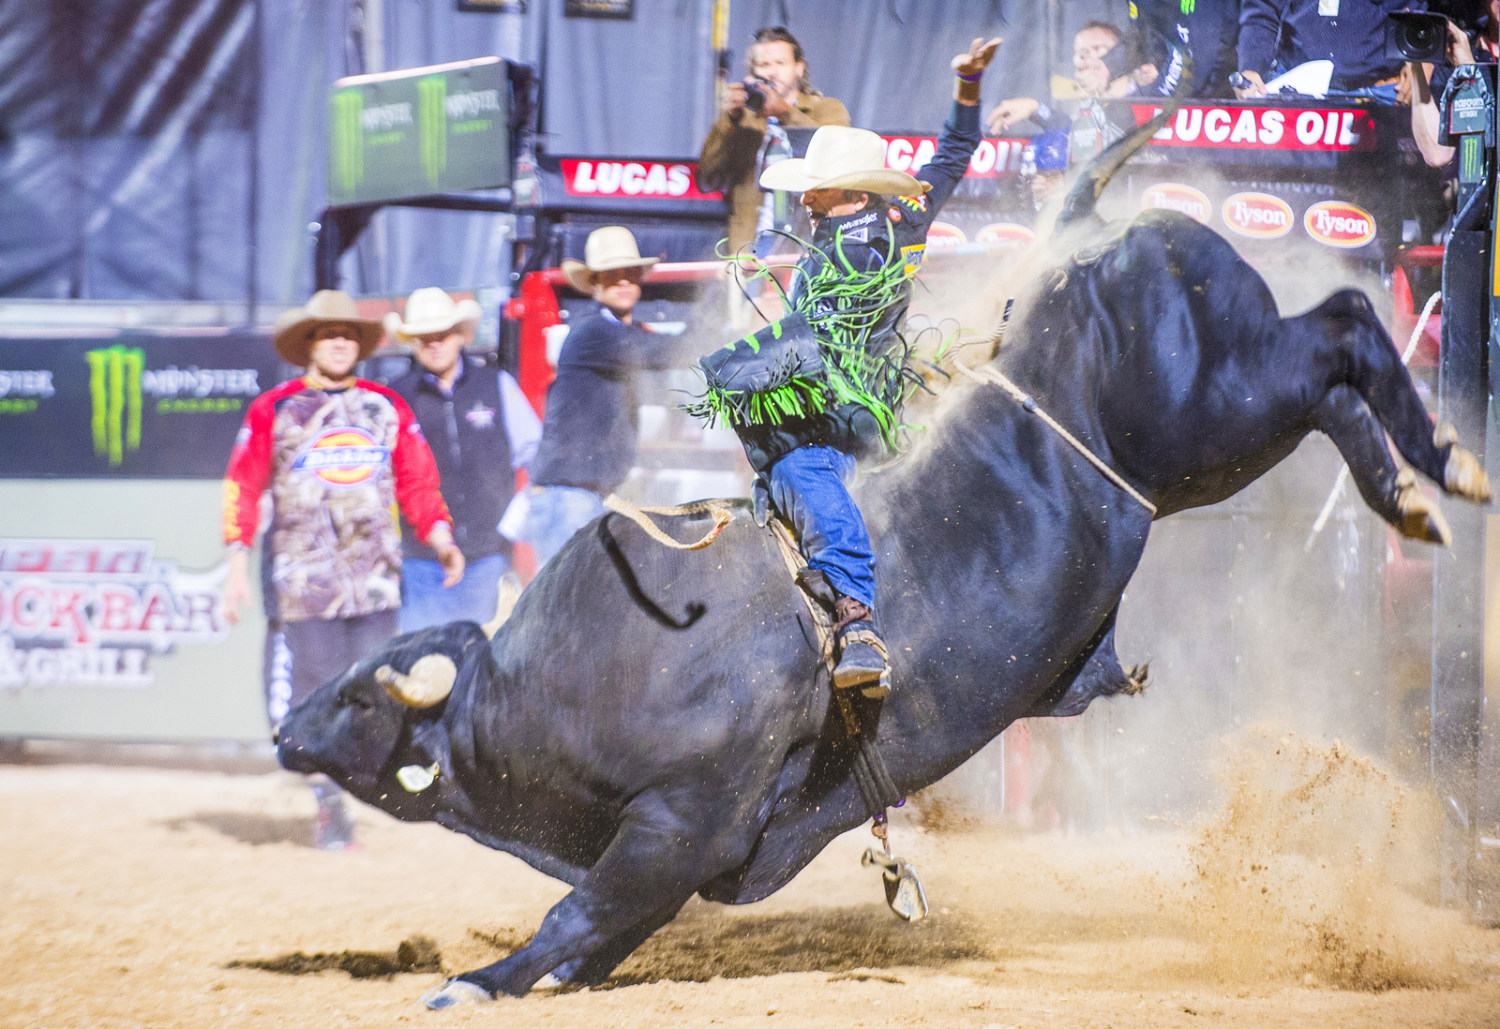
1336	223
1258	215
1179	197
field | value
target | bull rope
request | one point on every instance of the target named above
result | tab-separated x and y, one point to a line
642	517
995	377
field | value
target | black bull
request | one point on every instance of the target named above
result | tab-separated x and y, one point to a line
651	723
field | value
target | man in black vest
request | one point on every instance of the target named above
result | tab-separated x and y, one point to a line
481	430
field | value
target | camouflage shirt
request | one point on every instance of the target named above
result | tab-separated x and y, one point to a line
337	463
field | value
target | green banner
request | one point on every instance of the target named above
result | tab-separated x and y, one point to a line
410	133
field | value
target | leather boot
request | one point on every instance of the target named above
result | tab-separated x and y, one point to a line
862	659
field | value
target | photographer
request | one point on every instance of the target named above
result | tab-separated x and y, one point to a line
1429	81
778	86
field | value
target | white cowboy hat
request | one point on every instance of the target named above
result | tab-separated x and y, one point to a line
292	335
840	157
430	310
608	249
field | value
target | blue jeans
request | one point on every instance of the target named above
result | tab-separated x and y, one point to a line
425	601
556	513
808	487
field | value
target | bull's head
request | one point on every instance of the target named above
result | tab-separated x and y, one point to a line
385	713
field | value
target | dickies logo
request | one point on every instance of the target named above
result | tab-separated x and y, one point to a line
1258	215
1179	197
1337	224
343	457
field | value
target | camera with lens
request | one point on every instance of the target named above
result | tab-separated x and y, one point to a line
755	94
1416	36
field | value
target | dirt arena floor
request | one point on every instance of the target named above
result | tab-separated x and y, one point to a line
150	897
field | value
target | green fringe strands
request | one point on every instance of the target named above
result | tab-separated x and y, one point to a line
853	314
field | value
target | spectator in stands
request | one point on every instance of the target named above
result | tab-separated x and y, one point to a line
590	428
1277	35
481	430
733	152
1428	82
1091	127
337	452
1207	29
1044	162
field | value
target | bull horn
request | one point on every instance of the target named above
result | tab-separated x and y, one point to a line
429	682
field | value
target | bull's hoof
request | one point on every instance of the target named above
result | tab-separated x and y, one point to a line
453	992
1464	476
1419	515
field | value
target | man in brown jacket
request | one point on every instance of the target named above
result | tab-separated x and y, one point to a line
731	154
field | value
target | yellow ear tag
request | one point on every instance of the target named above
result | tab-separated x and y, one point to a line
416	778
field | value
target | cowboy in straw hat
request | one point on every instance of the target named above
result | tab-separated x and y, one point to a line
610	249
336	453
430	311
329	310
482	430
590	430
825	384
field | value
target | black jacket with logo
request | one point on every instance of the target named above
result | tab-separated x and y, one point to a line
466	432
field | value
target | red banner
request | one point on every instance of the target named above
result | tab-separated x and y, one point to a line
1262	128
659	180
992	158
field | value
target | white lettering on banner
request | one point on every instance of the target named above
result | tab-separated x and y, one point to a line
992	158
1339	224
658	179
1256	128
1179	197
385	117
28	383
92	612
462	106
193	381
1258	215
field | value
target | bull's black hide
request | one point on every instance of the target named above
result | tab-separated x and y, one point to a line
653	723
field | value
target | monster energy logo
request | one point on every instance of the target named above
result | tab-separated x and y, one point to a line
432	126
1471	159
348	145
115	400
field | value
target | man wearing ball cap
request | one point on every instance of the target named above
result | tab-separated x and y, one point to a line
337	453
825	385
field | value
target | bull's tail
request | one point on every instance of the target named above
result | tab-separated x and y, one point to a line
1084	196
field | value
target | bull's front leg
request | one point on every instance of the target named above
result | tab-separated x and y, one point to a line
663	851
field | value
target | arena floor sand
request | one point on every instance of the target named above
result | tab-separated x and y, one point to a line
127	894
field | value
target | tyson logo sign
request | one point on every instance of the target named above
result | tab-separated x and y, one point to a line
1258	215
1337	224
1175	196
945	236
1005	236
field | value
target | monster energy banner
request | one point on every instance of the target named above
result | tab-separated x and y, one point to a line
127	407
413	133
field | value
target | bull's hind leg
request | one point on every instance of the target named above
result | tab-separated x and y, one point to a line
1391	493
1374	368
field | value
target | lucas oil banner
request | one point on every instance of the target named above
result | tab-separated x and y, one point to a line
128	406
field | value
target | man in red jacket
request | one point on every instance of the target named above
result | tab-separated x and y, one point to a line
338	453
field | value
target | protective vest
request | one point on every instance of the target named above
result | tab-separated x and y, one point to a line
466	431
